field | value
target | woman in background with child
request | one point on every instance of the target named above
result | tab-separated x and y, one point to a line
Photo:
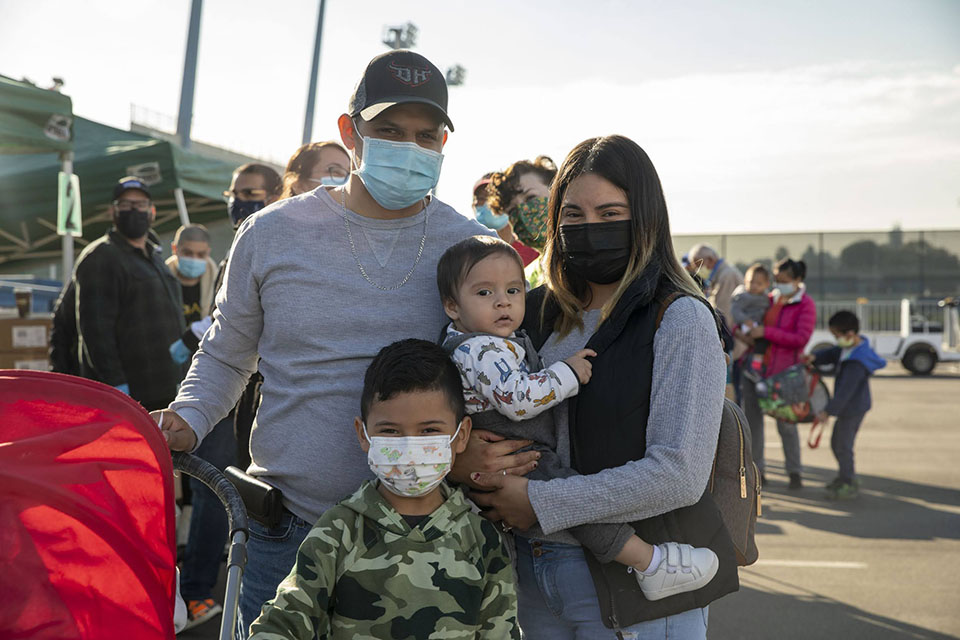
648	419
778	341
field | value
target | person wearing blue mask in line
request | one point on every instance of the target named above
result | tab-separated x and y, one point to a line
191	264
315	164
252	187
316	285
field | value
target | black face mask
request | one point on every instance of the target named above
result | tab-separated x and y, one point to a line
240	209
133	224
597	252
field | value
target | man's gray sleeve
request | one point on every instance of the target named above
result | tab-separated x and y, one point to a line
227	356
686	403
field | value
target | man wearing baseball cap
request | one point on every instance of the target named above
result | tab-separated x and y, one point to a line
316	285
129	306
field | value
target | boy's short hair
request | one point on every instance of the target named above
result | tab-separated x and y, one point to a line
192	233
758	269
456	262
844	321
412	365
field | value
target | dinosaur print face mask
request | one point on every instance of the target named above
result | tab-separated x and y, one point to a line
410	466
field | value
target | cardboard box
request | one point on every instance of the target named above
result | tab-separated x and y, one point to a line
36	359
18	334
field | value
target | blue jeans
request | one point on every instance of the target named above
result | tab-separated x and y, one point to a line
208	521
557	600
271	553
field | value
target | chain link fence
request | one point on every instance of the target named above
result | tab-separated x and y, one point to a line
923	266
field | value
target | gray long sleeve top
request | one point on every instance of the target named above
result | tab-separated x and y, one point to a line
689	375
294	296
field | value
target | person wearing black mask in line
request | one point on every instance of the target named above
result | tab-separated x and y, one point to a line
129	307
253	187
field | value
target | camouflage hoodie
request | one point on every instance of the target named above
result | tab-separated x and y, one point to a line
363	573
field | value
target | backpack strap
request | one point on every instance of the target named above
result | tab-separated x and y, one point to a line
676	295
669	300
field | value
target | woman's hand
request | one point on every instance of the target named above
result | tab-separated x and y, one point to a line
489	453
756	332
506	501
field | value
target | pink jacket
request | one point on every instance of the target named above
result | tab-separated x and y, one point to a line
790	333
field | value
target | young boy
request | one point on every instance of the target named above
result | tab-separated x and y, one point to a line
481	285
403	557
856	362
747	307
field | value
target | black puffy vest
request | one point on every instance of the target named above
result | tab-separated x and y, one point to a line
608	425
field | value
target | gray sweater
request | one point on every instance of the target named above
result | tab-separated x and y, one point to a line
294	297
689	376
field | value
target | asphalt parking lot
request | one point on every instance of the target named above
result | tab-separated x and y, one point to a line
885	565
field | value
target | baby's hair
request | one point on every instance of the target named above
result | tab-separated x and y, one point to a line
412	365
844	321
758	269
457	261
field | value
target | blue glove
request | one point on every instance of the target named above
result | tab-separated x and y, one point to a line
179	352
489	219
123	387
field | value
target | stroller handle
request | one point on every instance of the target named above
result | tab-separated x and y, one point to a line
210	476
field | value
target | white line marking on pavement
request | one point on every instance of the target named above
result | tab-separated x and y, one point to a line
817	564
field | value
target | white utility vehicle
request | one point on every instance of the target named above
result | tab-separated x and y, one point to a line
908	336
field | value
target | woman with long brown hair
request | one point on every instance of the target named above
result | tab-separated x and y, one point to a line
642	432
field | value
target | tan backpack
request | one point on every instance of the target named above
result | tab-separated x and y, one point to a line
734	479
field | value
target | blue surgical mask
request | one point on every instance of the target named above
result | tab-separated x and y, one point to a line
191	267
330	181
489	219
786	288
241	209
398	174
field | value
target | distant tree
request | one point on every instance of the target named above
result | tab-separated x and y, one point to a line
864	254
781	253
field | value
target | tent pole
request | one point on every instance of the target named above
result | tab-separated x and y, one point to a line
181	206
66	158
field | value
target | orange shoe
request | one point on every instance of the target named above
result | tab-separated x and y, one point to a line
200	611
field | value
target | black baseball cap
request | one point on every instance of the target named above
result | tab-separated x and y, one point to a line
398	77
127	183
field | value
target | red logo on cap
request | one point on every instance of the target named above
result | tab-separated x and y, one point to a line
412	76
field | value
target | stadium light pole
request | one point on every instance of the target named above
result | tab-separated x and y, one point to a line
314	71
185	115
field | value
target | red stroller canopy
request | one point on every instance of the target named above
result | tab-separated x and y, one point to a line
87	543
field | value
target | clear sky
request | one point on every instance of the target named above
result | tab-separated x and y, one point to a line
759	115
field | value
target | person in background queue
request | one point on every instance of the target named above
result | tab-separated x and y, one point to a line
129	307
191	264
315	164
499	222
253	187
786	329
